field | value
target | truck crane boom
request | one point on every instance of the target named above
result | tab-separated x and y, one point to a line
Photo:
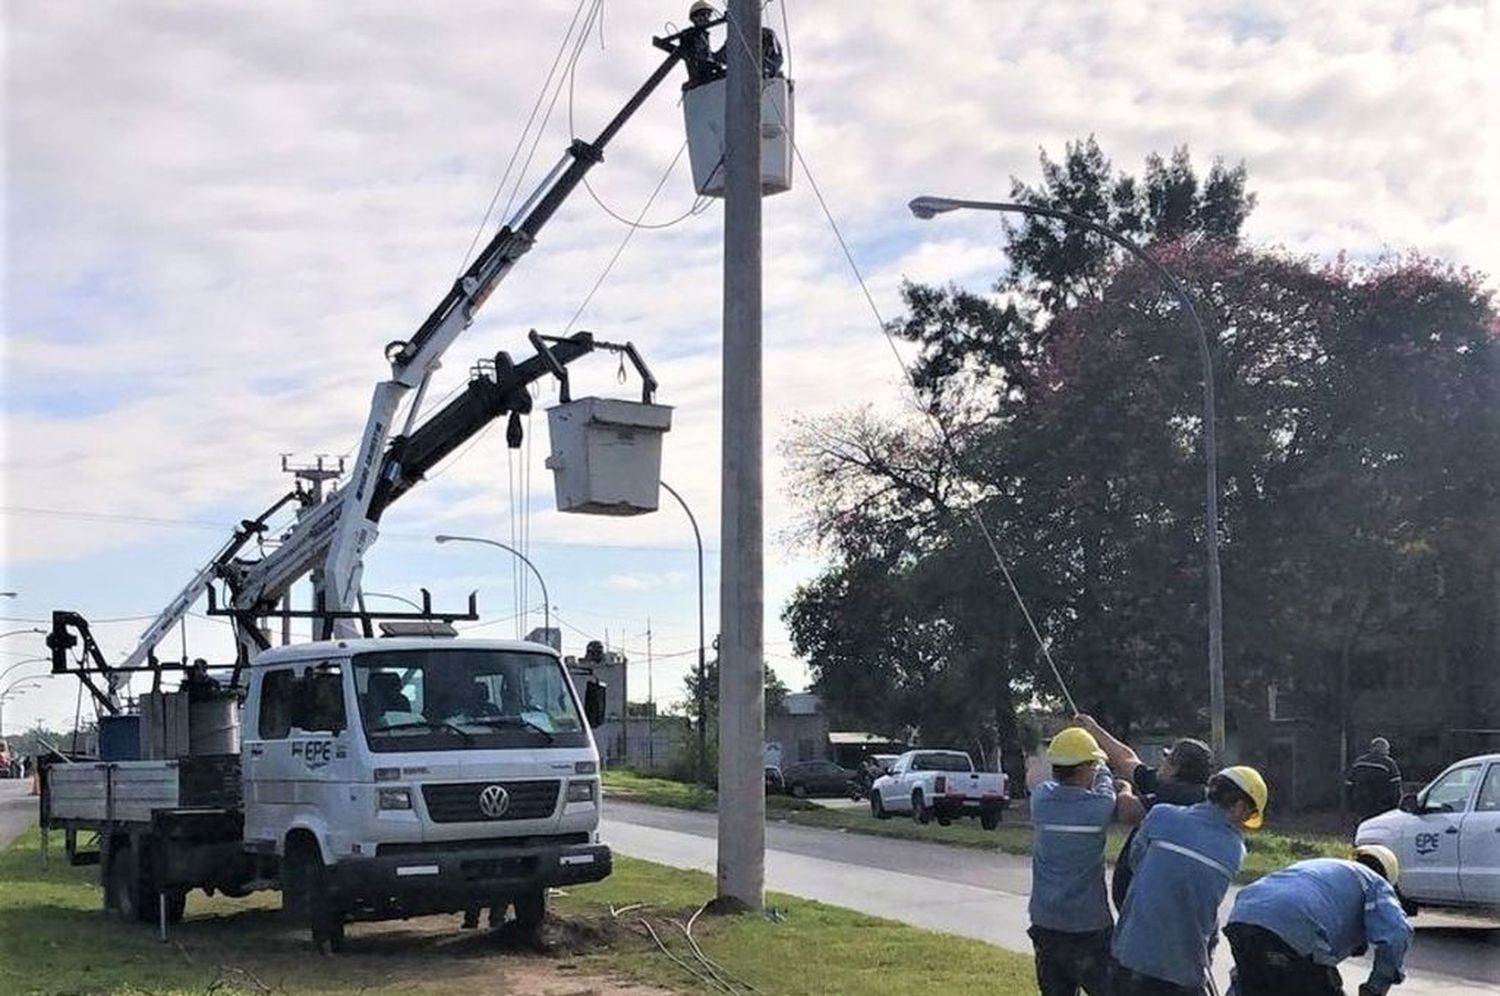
334	534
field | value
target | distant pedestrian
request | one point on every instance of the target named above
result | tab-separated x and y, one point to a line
1290	930
1372	784
1071	812
1184	858
1180	780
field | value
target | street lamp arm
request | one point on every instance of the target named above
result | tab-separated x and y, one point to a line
928	206
546	598
701	704
29	660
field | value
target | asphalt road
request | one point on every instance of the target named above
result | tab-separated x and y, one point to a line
983	895
17	809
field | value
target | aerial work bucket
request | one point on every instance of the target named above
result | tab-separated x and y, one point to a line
703	109
606	455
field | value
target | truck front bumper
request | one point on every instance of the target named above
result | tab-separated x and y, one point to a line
439	878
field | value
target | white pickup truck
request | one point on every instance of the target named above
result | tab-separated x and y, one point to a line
374	779
1447	837
941	785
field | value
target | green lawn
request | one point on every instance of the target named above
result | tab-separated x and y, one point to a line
54	940
1266	850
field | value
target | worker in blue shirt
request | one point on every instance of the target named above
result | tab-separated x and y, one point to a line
1183	859
1289	930
1070	816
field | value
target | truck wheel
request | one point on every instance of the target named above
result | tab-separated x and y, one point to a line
531	910
919	811
176	904
799	790
124	883
989	819
306	896
877	807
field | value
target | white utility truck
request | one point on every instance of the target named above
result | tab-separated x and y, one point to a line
374	779
941	785
368	777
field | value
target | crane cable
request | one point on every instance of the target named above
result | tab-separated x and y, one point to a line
945	441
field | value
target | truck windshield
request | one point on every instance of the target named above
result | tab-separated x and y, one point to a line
452	699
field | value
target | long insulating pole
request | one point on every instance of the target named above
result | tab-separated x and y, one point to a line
742	716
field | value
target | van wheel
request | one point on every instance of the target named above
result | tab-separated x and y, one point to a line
919	811
306	896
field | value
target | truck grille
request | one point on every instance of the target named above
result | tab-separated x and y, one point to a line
458	802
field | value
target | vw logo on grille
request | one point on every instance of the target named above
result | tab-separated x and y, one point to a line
494	801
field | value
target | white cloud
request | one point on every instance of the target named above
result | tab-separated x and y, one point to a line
216	215
639	581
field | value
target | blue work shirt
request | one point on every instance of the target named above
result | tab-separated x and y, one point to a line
1067	854
1327	909
1184	858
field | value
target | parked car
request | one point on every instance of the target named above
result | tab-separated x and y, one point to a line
1447	837
816	778
941	785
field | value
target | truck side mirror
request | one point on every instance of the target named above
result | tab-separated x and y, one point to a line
1408	803
593	702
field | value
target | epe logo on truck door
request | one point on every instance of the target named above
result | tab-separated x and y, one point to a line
314	753
1428	843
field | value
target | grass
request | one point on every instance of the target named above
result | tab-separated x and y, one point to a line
54	941
811	949
1266	850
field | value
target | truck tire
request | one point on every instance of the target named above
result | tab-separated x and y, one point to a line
305	894
531	910
990	819
124	884
877	807
919	811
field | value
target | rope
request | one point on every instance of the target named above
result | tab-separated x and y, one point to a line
942	435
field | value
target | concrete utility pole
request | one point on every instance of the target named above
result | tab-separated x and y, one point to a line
742	713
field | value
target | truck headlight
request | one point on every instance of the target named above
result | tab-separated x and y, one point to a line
581	791
396	798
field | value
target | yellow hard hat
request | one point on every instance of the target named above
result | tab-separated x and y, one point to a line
1252	784
1075	745
1383	856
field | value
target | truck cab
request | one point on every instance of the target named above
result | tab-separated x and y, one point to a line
399	777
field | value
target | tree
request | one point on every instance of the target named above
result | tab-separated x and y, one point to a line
1360	457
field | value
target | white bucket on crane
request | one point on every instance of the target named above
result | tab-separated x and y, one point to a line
703	110
606	455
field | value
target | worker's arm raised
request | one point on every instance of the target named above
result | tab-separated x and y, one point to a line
1129	809
1122	758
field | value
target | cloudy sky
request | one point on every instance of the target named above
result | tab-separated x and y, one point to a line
217	213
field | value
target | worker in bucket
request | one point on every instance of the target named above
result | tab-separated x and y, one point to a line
1181	780
1070	816
1289	931
1183	859
703	65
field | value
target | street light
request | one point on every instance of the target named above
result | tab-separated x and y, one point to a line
927	206
13	691
398	598
702	695
29	660
546	601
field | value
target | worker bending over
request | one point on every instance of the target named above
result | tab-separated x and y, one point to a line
1183	859
1289	930
1070	814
